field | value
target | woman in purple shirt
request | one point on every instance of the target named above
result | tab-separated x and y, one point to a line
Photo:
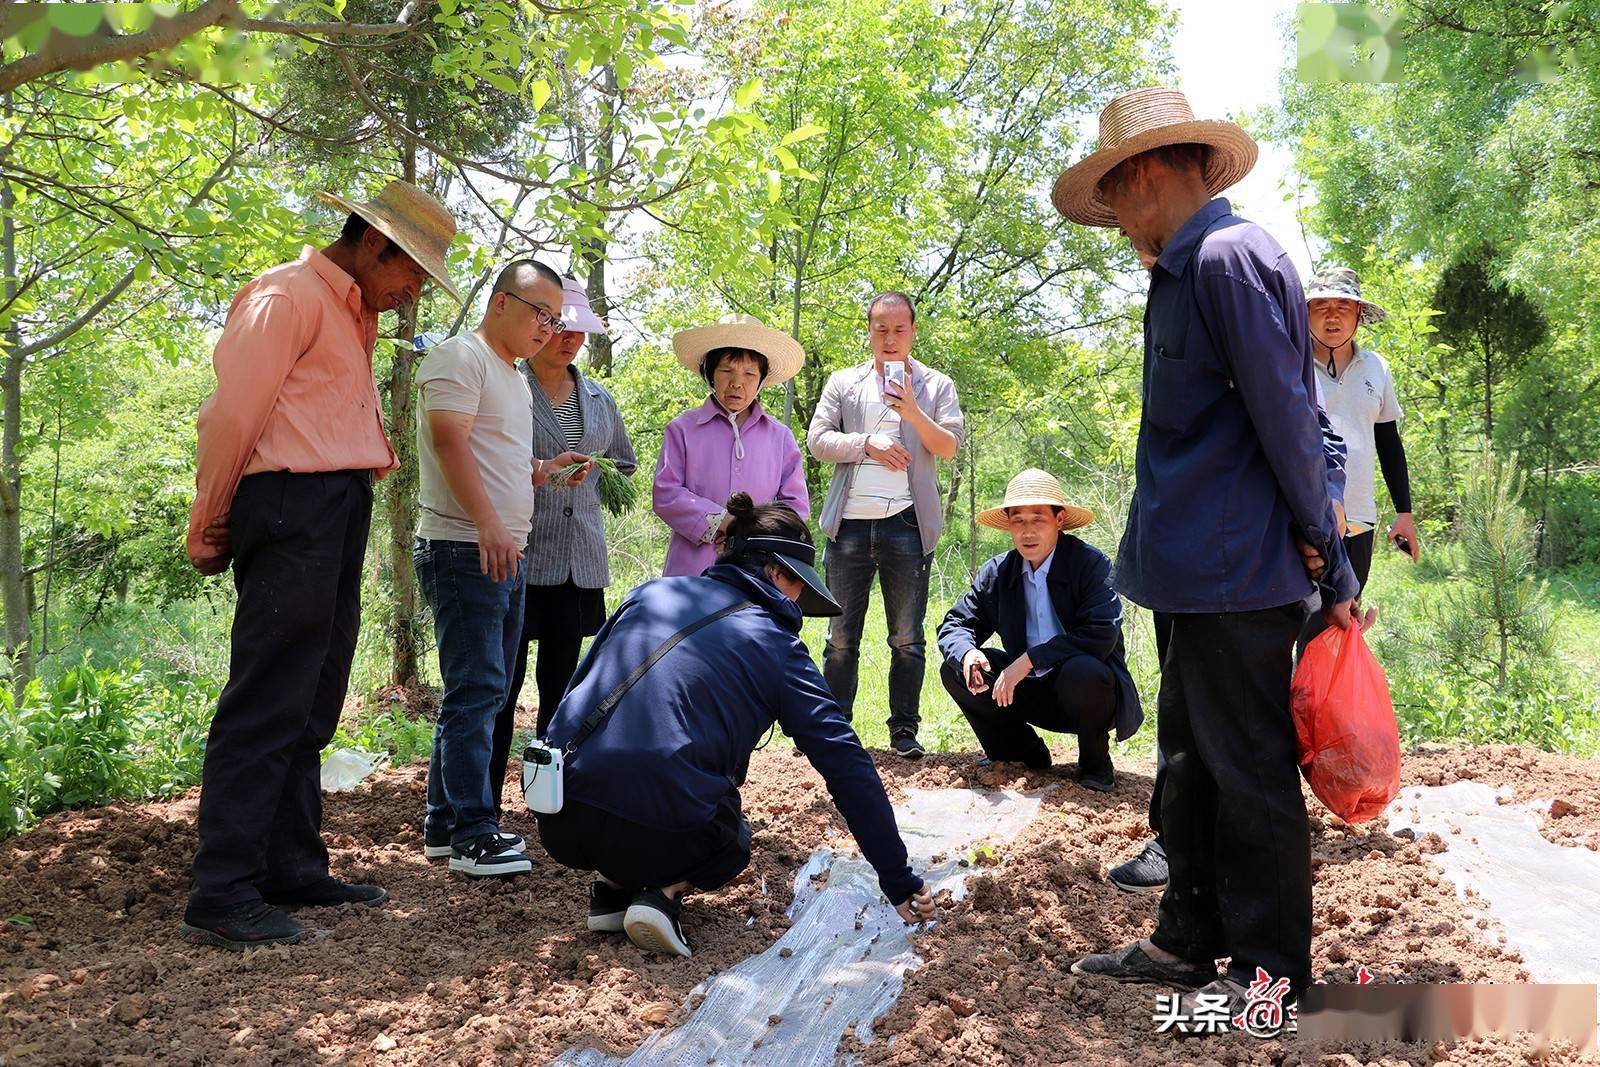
729	444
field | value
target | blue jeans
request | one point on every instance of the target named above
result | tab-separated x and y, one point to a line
892	549
477	624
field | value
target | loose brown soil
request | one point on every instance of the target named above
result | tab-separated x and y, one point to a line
457	972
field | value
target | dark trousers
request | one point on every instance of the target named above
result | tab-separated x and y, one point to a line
558	658
477	624
1163	627
708	857
298	544
1077	696
891	549
1359	549
1233	817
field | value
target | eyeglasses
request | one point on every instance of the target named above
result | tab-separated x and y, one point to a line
544	318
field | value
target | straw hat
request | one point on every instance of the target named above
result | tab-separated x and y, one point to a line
412	219
1342	283
784	354
576	313
1034	486
1137	122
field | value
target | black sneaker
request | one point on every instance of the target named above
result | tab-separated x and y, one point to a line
440	848
247	925
652	924
1145	873
608	906
1130	964
906	746
327	893
488	856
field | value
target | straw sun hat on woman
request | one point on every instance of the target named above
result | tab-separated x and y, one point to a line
1137	122
1035	487
784	355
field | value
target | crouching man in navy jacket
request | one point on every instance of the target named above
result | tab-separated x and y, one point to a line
1061	664
652	788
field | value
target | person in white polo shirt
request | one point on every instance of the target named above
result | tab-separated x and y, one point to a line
1359	397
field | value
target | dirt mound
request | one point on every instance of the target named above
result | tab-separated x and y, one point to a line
456	972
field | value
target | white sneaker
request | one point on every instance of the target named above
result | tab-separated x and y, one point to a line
444	851
488	856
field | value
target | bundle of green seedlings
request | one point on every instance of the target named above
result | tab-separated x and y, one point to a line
616	488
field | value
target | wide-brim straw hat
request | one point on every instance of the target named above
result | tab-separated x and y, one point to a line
1342	283
412	219
784	355
1137	122
1034	486
577	314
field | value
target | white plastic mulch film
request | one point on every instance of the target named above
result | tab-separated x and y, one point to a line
345	768
1542	894
841	964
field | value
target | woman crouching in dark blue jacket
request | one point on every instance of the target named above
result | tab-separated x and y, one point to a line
652	793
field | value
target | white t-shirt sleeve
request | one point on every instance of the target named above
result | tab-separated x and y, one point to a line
1389	404
451	378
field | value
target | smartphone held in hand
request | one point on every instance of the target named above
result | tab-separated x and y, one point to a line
894	373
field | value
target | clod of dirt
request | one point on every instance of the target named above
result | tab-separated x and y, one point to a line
131	1009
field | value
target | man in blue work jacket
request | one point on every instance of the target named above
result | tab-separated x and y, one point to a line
1231	481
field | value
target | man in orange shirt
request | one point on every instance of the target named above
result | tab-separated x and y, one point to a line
289	445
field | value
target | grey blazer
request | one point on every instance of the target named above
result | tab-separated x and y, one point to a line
569	529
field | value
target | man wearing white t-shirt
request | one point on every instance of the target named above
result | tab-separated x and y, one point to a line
885	424
1359	398
476	475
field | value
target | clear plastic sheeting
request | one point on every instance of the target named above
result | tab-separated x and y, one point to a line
346	768
842	962
1542	894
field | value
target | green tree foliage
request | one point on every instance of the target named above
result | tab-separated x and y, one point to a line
914	145
1487	322
1485	142
1500	615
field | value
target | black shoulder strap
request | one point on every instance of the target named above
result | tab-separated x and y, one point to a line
591	721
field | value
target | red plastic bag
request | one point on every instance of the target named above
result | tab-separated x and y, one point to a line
1349	740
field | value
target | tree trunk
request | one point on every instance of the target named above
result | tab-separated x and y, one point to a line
600	351
972	508
1444	433
1488	398
594	251
18	623
400	492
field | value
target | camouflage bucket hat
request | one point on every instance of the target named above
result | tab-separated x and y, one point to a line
1342	283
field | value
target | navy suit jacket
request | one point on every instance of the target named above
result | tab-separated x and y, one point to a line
1080	591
